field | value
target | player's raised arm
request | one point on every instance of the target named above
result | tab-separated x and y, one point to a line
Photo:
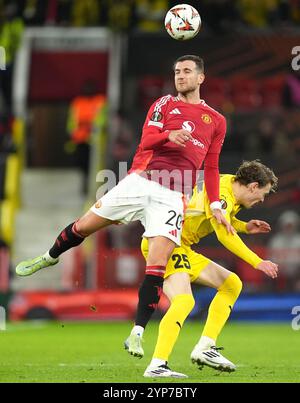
154	135
212	177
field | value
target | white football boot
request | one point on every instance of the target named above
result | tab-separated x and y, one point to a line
133	344
28	267
212	358
162	371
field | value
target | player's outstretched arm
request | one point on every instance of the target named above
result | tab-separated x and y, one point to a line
234	244
257	227
269	268
221	219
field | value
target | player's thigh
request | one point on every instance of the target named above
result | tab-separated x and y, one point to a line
164	214
213	275
177	284
125	202
160	249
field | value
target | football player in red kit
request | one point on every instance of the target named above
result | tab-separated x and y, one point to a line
179	134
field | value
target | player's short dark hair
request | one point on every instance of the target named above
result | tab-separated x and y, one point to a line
197	59
255	171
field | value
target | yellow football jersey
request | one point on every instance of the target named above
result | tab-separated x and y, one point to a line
199	221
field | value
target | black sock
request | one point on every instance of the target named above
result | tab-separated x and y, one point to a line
149	296
67	239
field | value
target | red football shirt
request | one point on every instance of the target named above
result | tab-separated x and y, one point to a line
207	127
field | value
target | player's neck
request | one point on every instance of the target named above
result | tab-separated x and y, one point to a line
190	98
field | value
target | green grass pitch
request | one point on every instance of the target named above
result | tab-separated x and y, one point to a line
93	352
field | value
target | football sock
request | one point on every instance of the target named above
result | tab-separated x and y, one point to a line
67	239
149	294
171	324
221	306
206	343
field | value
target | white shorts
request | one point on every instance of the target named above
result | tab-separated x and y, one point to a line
158	208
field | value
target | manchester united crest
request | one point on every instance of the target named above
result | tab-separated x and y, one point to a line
206	118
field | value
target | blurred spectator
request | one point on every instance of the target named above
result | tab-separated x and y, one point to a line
266	134
219	15
150	14
273	139
34	12
11	29
294	9
291	91
85	13
284	249
83	112
258	13
124	145
120	153
6	142
119	14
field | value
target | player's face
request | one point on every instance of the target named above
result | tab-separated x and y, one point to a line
255	194
187	77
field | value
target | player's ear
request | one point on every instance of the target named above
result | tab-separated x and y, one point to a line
201	78
253	186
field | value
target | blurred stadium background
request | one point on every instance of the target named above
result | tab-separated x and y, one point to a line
60	57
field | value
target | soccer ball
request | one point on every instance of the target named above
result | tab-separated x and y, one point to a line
182	22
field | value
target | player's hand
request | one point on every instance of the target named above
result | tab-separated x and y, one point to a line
269	268
258	227
219	216
180	137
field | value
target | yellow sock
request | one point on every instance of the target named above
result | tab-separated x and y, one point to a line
221	306
171	324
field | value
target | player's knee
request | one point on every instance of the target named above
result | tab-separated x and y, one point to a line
81	228
184	300
157	259
234	284
190	301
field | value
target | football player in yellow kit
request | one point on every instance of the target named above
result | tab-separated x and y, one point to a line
249	186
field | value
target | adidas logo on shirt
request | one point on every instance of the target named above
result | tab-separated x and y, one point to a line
175	111
173	232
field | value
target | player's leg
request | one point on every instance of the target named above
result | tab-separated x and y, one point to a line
228	287
113	206
158	254
162	221
71	236
178	289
